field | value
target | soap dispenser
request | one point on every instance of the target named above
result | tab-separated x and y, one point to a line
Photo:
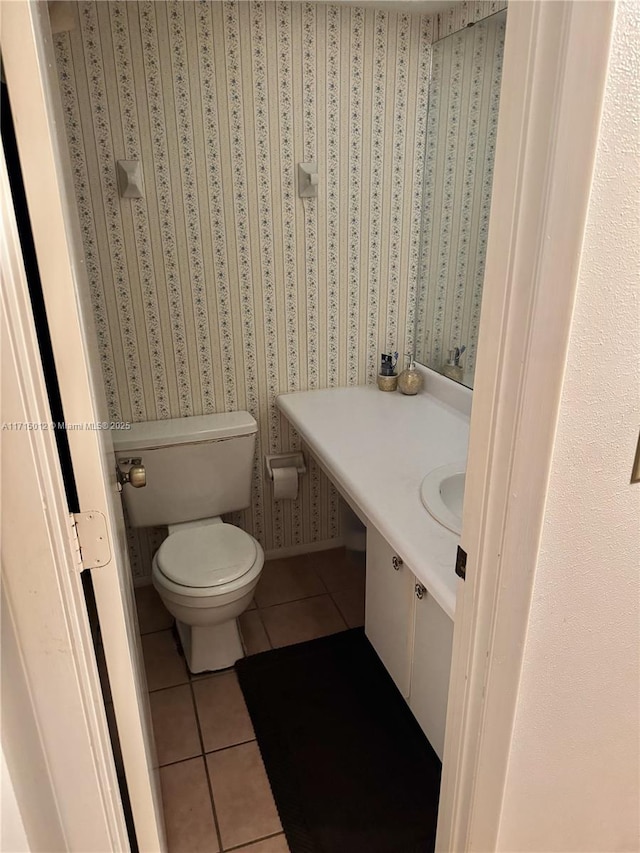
410	380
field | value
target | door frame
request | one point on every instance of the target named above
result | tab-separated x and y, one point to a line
545	154
55	720
30	72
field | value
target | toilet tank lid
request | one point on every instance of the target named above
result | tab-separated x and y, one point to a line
149	434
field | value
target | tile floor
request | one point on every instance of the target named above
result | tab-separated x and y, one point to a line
214	787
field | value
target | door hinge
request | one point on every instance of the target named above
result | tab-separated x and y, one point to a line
88	532
461	563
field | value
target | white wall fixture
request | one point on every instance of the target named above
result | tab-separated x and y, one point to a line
308	180
130	178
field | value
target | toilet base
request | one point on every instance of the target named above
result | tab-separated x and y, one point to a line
208	648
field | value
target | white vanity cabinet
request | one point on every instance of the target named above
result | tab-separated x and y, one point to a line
430	668
412	635
345	429
389	609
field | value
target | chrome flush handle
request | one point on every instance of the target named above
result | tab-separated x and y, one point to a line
396	562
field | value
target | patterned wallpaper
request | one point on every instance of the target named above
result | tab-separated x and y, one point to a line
221	288
460	15
461	131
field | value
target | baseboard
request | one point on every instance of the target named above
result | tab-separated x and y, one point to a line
305	548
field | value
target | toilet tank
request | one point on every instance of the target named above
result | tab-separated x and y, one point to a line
198	467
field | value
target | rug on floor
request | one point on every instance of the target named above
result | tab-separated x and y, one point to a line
350	769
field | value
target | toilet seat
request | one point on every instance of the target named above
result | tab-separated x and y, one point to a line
209	561
207	556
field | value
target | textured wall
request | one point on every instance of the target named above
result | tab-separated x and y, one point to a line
461	131
221	288
573	768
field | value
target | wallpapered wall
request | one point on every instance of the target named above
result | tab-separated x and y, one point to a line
464	97
221	288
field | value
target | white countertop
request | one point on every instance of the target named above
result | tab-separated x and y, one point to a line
376	447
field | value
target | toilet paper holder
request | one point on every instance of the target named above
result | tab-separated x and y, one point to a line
285	460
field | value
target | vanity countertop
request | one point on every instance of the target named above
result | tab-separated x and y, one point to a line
377	447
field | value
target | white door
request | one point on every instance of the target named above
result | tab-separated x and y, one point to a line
28	65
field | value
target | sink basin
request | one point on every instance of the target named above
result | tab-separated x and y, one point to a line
442	494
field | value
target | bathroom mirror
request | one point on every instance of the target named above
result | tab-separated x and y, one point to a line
464	98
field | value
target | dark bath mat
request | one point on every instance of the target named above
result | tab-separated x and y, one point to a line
350	769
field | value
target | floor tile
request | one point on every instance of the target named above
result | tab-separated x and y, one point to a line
339	569
187	808
174	724
350	603
152	614
276	844
163	663
287	580
253	634
302	620
244	803
222	713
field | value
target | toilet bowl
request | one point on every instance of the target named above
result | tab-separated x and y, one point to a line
205	573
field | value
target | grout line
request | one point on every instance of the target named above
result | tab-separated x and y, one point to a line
293	601
195	712
216	822
337	606
155	631
168	687
320	578
195	677
316	574
266	631
209	752
180	761
231	746
255	610
264	628
242	639
206	767
249	844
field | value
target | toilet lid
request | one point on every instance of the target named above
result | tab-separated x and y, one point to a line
207	556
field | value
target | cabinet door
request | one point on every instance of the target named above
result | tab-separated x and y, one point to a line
433	640
388	610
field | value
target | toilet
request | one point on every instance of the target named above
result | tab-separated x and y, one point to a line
206	571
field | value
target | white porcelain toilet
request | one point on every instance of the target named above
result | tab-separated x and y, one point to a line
197	468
